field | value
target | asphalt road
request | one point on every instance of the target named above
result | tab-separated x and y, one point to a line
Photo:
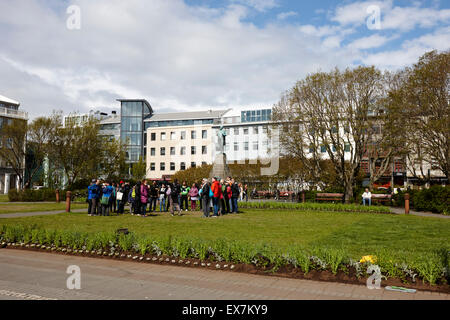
36	276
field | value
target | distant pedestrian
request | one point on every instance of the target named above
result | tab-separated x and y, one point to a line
204	196
153	196
162	198
193	194
175	198
106	198
184	196
235	192
144	197
92	197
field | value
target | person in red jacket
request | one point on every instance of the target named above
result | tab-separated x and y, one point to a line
144	197
217	191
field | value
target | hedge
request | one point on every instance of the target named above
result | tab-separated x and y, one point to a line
435	199
432	267
29	195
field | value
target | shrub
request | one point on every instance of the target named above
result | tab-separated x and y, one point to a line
434	199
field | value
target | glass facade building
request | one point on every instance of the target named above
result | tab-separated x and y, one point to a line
256	115
133	113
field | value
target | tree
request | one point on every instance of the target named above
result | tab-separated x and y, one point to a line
39	134
77	150
13	146
332	114
113	160
423	98
139	169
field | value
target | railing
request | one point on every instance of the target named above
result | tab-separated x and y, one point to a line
13	113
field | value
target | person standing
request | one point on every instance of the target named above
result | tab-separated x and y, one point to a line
137	199
246	193
229	197
184	196
112	207
193	194
216	191
121	198
162	197
106	198
144	197
131	197
175	196
223	195
204	196
91	188
367	197
234	196
153	196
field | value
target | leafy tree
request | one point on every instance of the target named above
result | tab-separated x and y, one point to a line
139	169
113	161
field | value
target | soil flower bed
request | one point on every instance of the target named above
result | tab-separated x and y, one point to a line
430	272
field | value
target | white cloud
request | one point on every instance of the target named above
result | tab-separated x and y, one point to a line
260	5
373	41
285	15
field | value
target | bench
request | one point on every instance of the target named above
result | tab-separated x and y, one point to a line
262	195
329	196
381	197
286	194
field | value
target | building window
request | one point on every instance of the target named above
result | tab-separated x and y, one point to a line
246	146
183	135
236	131
172	136
163	136
255	130
152	166
172	151
236	146
153	136
162	151
203	163
193	150
255	145
172	166
311	149
182	166
204	150
193	134
162	166
265	129
193	165
245	130
333	148
347	147
152	152
204	134
323	149
182	151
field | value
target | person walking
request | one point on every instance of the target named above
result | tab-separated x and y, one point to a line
175	196
153	196
144	197
162	198
367	197
193	194
204	196
184	196
234	196
106	198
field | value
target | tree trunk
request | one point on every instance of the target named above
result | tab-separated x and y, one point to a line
348	194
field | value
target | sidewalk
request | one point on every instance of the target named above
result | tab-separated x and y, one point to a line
26	274
38	213
421	214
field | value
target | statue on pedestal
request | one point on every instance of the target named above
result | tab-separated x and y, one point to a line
221	134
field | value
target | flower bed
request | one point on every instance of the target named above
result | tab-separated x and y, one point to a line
430	272
314	207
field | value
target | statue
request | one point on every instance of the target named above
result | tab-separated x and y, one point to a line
222	135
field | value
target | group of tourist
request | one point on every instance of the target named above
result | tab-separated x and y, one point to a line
216	197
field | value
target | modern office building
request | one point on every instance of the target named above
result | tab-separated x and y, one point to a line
110	126
178	141
77	119
9	110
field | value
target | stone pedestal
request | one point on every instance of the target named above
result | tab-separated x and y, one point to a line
220	168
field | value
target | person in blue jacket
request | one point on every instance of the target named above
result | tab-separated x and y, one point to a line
93	197
106	198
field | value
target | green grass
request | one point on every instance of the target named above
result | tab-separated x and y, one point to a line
36	207
4	198
357	234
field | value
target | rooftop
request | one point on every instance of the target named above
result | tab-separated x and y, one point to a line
8	100
192	115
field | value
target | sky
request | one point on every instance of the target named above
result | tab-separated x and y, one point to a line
199	54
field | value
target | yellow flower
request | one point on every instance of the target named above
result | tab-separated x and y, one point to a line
370	259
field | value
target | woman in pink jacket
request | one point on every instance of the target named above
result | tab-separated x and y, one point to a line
193	194
144	197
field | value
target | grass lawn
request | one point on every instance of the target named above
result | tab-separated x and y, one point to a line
4	198
357	233
12	207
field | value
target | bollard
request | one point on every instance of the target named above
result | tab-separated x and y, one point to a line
57	196
303	196
68	199
406	203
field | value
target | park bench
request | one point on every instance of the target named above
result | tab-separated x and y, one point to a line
381	197
286	194
329	196
262	195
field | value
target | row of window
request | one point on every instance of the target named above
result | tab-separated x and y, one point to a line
323	149
162	151
172	167
245	130
175	123
173	135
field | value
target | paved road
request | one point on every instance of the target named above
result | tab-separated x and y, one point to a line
35	275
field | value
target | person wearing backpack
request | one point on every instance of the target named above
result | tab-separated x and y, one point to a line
106	199
175	196
184	196
204	197
216	191
235	192
92	192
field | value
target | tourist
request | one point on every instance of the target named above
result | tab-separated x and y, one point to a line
174	198
241	192
121	185
137	199
144	197
223	197
106	198
184	196
153	196
216	192
112	202
204	196
367	197
234	196
162	198
246	193
121	198
229	196
193	194
92	197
